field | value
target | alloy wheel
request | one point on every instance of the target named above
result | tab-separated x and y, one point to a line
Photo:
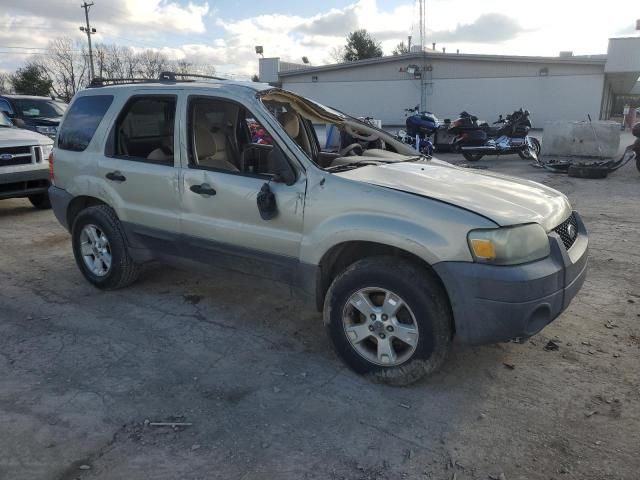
380	326
95	250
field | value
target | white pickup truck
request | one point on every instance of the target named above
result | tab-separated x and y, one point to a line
24	164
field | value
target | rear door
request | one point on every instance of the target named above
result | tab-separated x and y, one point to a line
139	169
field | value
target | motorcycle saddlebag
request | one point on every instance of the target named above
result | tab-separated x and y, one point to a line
474	137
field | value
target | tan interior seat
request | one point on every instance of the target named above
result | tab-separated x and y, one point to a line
291	124
210	146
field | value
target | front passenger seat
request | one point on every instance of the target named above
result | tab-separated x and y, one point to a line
211	151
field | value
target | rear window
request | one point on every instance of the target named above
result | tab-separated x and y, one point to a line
81	122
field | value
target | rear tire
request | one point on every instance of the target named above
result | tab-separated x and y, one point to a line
418	310
40	201
586	171
472	157
120	270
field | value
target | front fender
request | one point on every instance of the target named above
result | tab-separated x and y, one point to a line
341	210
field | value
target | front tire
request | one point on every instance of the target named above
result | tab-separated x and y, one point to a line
472	157
40	201
100	249
389	319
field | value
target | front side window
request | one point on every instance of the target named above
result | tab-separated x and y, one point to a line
226	136
81	122
145	129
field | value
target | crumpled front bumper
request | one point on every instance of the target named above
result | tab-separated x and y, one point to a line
501	303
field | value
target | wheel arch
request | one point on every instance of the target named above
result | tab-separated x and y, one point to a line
342	255
78	204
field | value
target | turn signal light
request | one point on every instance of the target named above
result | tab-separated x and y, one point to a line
484	249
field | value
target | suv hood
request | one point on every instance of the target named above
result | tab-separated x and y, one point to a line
18	137
503	199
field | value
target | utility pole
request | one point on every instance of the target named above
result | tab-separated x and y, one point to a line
89	31
423	35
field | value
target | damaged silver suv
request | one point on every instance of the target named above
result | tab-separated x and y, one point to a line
401	252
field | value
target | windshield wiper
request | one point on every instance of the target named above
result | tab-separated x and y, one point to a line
348	166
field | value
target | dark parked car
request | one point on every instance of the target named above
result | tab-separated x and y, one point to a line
40	114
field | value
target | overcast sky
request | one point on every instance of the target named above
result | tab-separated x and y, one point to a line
224	33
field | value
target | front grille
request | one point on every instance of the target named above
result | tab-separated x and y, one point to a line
564	231
15	156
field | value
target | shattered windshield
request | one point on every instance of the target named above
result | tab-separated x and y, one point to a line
333	140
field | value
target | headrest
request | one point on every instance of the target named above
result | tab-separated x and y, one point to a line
205	141
289	121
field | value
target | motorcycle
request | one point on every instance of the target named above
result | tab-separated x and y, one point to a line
419	127
475	140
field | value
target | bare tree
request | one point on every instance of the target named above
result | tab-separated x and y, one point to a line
152	64
336	54
114	61
66	65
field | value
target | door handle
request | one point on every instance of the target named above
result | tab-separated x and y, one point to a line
204	189
116	176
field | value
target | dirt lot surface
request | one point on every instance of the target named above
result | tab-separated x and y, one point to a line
248	366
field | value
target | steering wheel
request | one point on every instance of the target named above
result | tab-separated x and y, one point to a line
355	149
359	136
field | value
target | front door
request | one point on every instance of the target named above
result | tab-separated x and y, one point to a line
230	160
139	170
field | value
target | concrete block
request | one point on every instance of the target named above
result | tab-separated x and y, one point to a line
577	139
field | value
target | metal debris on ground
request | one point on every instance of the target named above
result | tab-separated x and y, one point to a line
551	346
192	298
170	424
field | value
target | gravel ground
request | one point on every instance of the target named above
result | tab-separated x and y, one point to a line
248	367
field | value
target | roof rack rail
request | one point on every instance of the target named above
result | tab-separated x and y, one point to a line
164	77
171	76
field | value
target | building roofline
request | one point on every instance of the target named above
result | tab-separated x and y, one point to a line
577	59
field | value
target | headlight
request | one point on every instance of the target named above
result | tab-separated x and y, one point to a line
46	150
51	131
509	245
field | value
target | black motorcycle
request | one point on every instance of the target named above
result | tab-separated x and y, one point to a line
510	136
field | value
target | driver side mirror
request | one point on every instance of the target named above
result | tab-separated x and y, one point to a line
281	168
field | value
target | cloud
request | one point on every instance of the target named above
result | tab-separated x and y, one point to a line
147	16
488	28
628	30
334	23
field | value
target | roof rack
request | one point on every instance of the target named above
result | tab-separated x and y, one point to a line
165	77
